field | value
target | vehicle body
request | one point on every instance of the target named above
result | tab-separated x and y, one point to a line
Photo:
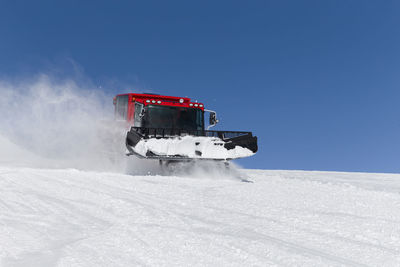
173	128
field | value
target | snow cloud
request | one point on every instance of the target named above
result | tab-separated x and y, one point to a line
60	121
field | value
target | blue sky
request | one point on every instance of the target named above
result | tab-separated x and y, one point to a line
316	81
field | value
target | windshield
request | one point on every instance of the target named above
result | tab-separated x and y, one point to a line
173	117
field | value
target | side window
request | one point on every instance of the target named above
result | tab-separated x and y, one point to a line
121	109
138	119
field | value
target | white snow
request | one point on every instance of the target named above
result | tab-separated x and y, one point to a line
68	217
210	148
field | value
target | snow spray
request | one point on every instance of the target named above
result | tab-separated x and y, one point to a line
56	124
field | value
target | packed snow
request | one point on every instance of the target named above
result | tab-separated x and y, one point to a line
70	217
285	218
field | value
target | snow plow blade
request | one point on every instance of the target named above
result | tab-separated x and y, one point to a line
179	144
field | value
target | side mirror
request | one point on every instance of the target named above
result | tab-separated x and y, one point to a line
141	115
213	119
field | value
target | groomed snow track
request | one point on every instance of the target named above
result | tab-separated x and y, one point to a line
285	218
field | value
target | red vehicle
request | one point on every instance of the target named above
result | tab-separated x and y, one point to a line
173	128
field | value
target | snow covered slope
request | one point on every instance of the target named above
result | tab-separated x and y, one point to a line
285	218
11	154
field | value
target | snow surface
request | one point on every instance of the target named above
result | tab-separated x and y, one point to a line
210	148
71	217
68	217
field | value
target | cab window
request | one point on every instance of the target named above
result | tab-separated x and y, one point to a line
121	108
138	115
